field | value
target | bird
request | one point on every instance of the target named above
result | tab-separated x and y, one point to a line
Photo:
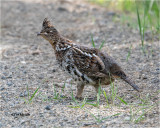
87	66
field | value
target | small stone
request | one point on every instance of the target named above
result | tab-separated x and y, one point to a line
9	83
127	118
87	124
62	96
2	88
54	70
155	81
5	73
144	77
5	67
48	107
10	76
111	13
86	116
23	94
104	126
3	77
61	9
41	77
24	72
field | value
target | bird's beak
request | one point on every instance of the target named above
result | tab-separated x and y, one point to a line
38	34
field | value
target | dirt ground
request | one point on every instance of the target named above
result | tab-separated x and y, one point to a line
29	61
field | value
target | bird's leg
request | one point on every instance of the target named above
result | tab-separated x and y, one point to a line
80	87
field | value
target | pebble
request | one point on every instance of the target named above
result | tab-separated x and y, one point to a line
10	76
48	107
127	118
24	72
6	77
61	9
3	77
87	124
155	81
111	13
144	77
158	69
104	126
54	70
2	88
41	77
9	83
23	94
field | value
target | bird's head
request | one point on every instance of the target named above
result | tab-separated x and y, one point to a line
48	32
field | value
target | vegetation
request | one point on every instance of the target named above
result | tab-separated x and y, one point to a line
145	11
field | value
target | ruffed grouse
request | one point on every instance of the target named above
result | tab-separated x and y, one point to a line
85	65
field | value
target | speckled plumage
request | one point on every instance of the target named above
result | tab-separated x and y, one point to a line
85	65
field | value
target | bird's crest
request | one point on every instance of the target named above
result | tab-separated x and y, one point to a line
46	23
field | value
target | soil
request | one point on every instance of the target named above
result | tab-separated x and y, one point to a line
27	62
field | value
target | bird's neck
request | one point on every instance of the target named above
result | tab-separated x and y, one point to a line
56	40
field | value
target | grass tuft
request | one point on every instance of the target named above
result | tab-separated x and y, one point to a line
30	98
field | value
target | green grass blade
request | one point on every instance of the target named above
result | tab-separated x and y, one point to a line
93	44
97	119
105	97
74	106
95	105
110	116
98	95
27	92
129	52
141	116
102	44
73	98
33	94
139	22
121	99
84	102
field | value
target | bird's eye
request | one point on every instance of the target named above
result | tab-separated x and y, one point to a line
49	31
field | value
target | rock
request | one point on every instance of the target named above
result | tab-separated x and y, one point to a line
6	77
144	77
48	107
155	81
24	72
127	118
54	70
9	83
3	77
2	88
87	124
111	13
10	76
62	9
41	77
23	94
103	126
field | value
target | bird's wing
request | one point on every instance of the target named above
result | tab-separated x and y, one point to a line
87	61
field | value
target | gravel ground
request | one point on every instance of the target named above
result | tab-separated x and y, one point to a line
29	61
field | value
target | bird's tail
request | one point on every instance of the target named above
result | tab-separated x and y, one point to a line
123	76
126	79
116	71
